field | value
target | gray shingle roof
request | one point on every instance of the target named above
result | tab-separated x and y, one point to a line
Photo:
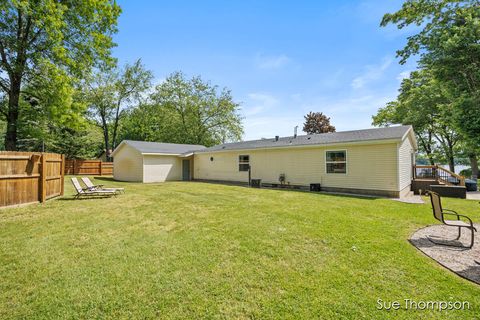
389	133
158	147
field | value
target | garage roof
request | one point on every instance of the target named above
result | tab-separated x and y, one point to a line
145	147
355	136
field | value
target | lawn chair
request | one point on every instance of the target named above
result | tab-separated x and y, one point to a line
439	214
99	187
85	192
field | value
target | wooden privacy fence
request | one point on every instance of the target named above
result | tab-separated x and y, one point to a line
88	167
27	177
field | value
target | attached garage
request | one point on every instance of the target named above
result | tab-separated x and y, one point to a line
140	161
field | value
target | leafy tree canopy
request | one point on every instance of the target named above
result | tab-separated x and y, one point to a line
188	111
45	40
425	103
449	46
109	92
317	122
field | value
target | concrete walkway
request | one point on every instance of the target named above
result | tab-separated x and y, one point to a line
473	195
458	260
415	199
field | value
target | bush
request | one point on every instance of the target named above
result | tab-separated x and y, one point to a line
466	172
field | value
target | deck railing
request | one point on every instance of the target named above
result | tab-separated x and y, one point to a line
438	173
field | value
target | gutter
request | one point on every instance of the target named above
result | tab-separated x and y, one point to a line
160	154
311	146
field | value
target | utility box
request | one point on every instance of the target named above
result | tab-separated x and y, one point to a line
256	183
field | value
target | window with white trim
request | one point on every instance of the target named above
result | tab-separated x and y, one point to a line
243	162
336	161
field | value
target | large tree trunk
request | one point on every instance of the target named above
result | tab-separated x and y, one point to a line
430	158
105	137
447	143
107	143
474	165
16	72
12	117
451	163
115	128
427	147
450	155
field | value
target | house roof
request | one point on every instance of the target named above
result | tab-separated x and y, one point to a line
145	147
367	135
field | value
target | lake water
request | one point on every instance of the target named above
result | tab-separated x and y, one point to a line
457	168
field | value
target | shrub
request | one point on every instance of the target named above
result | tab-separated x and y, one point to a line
466	172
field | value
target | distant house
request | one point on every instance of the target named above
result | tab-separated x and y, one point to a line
103	155
372	161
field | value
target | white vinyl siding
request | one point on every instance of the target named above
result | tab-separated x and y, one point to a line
405	151
372	166
128	164
159	168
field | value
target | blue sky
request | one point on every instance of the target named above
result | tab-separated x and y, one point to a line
281	59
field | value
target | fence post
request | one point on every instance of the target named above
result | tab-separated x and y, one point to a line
101	165
74	166
62	173
43	179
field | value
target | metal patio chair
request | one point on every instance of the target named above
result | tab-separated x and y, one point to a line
439	213
99	187
85	192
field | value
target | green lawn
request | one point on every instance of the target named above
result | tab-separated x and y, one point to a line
195	250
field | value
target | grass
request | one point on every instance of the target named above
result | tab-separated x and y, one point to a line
195	250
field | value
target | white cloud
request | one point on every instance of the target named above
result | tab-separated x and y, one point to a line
372	73
350	112
258	103
267	115
271	126
346	113
271	62
355	108
333	80
403	75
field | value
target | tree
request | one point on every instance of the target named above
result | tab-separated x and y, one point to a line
3	125
51	129
83	143
449	45
188	111
425	103
3	128
396	112
54	104
59	38
109	92
317	122
149	122
470	151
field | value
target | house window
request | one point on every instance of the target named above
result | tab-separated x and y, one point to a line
336	161
243	162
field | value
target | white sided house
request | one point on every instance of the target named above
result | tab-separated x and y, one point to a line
372	161
152	161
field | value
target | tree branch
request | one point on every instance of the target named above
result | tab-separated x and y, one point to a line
19	24
4	86
3	55
35	36
27	30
